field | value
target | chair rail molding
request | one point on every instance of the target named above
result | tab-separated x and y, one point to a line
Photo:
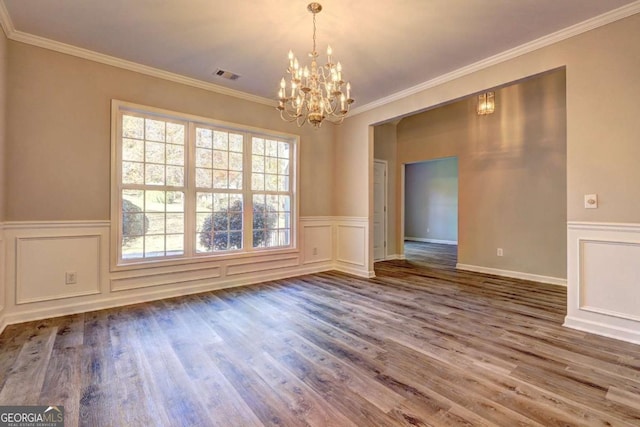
38	254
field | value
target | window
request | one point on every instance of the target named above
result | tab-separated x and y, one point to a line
189	187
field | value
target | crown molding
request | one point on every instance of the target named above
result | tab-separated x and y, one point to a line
38	41
574	30
558	36
5	20
20	36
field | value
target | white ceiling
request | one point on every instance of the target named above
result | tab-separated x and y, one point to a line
385	46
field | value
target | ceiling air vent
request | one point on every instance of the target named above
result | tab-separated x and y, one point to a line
226	74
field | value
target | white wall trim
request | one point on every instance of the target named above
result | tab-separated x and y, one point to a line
351	247
349	219
21	258
422	239
513	274
386	210
147	283
602	279
580	285
119	300
603	226
5	20
20	36
20	225
3	269
604	329
574	30
317	218
317	240
354	271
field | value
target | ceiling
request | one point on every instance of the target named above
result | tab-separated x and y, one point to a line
385	46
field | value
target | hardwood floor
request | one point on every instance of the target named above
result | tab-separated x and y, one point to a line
420	345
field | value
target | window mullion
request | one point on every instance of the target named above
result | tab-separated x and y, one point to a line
247	195
190	223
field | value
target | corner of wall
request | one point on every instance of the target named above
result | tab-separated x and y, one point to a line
3	136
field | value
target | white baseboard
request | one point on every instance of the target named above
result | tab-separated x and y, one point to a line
513	274
607	330
3	324
423	240
355	271
388	258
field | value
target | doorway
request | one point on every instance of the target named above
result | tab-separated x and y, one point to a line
431	208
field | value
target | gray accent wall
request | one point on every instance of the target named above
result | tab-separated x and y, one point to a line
431	200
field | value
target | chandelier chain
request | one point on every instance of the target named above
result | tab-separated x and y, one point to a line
314	53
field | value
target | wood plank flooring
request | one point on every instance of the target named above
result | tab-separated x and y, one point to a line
420	345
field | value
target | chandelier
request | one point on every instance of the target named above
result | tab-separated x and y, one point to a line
314	93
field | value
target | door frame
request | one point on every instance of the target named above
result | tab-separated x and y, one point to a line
386	204
403	190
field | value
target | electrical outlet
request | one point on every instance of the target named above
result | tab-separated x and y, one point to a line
315	251
500	253
70	278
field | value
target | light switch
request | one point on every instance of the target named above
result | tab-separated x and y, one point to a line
590	201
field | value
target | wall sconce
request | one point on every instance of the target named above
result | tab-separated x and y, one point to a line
486	103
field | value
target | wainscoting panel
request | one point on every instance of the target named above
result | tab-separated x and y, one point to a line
39	254
161	277
2	278
604	279
43	262
261	265
608	268
352	246
317	240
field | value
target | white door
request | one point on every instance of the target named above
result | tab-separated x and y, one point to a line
379	210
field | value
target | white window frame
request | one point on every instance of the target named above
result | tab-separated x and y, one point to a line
118	108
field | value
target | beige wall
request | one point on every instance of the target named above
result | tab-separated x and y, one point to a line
3	125
512	173
58	133
3	115
602	128
385	148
